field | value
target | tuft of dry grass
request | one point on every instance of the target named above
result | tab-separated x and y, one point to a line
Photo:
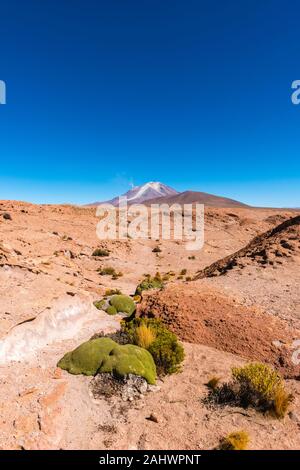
281	402
237	440
109	271
213	383
100	252
144	336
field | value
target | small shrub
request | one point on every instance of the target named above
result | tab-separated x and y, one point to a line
237	440
7	216
188	278
213	383
149	282
109	292
226	394
167	352
100	252
192	257
156	249
260	378
167	276
262	386
117	275
257	385
144	336
107	271
183	272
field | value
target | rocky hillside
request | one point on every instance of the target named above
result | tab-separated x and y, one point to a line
275	247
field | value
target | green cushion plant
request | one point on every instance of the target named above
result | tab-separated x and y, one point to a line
105	355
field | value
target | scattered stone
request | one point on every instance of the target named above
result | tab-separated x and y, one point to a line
69	254
119	336
153	388
6	248
277	343
294	417
128	388
153	418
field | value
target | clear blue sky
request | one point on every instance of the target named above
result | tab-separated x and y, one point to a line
192	93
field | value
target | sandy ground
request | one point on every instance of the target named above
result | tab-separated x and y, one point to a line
56	410
46	257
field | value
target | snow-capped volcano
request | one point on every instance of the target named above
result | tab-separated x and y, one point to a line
157	193
140	194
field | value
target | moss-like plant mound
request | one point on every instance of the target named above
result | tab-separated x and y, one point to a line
123	303
104	355
100	304
111	310
118	303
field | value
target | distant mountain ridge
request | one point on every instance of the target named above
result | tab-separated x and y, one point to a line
189	197
155	192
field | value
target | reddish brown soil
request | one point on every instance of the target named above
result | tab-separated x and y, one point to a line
201	314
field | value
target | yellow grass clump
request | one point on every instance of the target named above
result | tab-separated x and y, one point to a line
144	336
262	381
237	440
